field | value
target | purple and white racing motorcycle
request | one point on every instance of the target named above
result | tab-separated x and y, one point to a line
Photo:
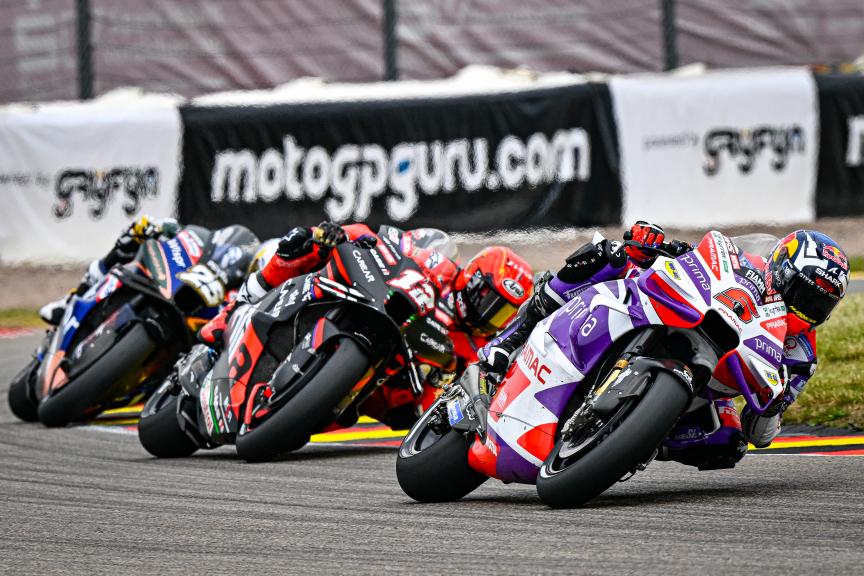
601	383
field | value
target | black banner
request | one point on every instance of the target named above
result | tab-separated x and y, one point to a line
476	163
840	183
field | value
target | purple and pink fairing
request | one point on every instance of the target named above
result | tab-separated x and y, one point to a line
563	349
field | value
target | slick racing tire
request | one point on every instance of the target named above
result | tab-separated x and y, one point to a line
438	472
562	484
22	396
159	429
80	396
290	427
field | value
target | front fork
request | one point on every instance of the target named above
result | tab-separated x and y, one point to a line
467	402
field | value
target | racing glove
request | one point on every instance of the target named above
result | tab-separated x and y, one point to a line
328	234
145	227
647	235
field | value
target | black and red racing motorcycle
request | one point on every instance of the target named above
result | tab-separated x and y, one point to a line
305	357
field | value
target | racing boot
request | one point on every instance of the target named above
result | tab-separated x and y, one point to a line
52	313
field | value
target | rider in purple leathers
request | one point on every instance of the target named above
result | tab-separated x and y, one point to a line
809	284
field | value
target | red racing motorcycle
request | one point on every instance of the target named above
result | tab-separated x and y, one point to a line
305	357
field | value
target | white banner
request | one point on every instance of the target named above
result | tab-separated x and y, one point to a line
72	176
726	147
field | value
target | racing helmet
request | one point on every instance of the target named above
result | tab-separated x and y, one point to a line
811	273
490	289
266	251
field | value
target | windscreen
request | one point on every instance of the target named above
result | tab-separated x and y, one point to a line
757	244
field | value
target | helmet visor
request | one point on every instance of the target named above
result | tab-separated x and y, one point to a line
489	311
808	301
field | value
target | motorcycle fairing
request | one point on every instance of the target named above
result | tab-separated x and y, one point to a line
563	348
153	263
164	260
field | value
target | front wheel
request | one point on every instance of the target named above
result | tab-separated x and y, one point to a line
80	397
571	475
159	428
290	427
22	396
432	466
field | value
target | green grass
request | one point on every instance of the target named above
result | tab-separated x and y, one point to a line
835	395
856	263
20	318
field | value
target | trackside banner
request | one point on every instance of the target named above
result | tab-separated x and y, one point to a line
73	175
472	163
840	189
726	147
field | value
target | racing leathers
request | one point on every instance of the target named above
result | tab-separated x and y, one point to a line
711	435
303	250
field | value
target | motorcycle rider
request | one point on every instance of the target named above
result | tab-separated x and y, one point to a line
123	251
806	270
477	300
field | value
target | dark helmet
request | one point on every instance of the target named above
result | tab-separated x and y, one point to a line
811	272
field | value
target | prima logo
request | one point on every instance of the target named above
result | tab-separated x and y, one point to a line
99	187
745	147
351	177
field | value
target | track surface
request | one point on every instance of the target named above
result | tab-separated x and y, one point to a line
87	501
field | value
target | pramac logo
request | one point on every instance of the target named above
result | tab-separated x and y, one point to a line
532	363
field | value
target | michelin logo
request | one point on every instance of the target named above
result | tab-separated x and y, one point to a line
350	178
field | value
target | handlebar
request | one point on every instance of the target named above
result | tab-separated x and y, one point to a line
671	249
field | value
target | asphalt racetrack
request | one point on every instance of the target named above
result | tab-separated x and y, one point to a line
90	501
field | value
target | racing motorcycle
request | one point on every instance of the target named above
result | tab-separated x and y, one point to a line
118	341
603	380
303	358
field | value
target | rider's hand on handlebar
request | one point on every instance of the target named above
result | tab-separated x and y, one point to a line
643	235
328	234
676	248
143	228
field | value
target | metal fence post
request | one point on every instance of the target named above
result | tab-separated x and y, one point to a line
670	34
391	43
85	52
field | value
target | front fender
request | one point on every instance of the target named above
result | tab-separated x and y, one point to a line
634	379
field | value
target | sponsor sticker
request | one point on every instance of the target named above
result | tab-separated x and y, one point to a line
454	412
672	270
513	288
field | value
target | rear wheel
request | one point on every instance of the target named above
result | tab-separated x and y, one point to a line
159	428
290	427
582	466
432	465
22	396
80	397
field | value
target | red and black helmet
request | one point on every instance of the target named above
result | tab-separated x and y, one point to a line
490	289
811	273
